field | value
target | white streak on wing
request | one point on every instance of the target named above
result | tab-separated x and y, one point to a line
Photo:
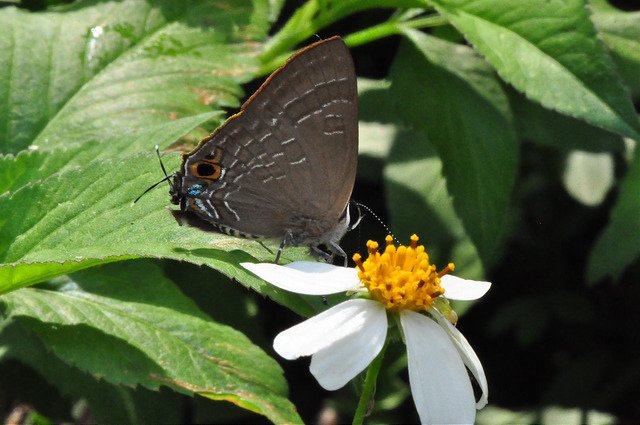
213	209
331	102
263	138
226	204
199	203
300	161
286	142
286	105
226	195
316	112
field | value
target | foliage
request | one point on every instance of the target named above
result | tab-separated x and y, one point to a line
503	133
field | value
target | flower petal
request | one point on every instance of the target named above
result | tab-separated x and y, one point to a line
332	325
469	357
335	365
307	277
439	382
457	288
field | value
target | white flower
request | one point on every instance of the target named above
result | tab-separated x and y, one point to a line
343	340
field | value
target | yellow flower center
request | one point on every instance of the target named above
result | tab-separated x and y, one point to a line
401	278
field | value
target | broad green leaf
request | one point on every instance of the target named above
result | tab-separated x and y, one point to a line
619	245
86	216
98	69
152	335
550	128
407	173
108	403
452	94
375	132
621	33
33	165
551	52
420	203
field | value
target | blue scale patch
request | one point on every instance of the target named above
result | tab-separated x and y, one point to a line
195	190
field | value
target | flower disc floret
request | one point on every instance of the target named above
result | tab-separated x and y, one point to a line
401	278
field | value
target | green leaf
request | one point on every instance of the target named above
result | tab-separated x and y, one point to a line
32	165
99	69
116	81
86	216
420	203
561	132
621	33
551	52
619	246
407	172
452	94
375	130
108	403
152	336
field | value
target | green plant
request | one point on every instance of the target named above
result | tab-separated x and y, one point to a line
476	116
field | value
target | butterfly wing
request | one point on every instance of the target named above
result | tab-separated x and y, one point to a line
287	160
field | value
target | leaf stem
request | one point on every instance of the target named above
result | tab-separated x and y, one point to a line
391	27
278	51
369	388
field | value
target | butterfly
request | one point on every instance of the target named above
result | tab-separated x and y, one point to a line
284	166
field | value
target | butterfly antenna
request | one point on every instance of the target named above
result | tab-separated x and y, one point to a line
152	187
377	218
166	176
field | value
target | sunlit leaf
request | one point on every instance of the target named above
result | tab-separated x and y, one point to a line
452	95
551	52
149	334
86	216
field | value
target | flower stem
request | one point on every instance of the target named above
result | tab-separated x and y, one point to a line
369	388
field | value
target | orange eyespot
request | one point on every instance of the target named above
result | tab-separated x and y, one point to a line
207	170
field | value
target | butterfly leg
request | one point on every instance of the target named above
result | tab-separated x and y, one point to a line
285	239
319	254
337	250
